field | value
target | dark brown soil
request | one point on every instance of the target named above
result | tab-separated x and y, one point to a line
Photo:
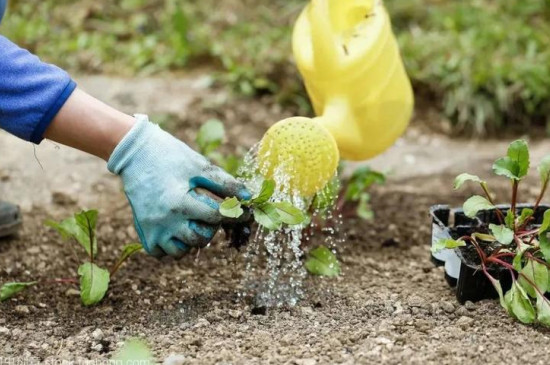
390	305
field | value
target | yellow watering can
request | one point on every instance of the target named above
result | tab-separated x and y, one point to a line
354	75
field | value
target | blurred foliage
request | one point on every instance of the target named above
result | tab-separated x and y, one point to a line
486	62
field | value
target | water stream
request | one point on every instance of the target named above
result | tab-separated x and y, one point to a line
275	273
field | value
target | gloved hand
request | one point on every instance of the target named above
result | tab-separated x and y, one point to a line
160	174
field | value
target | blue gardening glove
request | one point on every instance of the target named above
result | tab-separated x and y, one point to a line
160	175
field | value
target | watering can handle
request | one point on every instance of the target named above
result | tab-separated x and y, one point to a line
322	36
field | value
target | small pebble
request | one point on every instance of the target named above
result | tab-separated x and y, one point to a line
464	321
447	306
23	309
97	334
174	359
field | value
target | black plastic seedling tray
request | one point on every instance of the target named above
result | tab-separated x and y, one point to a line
465	276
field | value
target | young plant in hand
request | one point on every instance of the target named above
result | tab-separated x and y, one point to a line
268	214
93	279
515	244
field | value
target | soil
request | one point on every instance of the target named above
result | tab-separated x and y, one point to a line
390	305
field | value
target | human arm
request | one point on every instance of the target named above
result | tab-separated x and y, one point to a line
160	173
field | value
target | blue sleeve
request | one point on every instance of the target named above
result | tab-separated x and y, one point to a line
31	92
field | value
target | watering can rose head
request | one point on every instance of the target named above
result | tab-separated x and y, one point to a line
300	154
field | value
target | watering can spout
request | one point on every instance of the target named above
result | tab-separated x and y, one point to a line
348	57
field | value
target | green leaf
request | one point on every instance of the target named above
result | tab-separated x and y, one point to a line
484	237
462	178
544	243
364	210
516	164
509	220
474	204
544	170
505	166
503	234
78	227
498	288
525	214
447	243
362	179
289	214
129	250
231	207
8	290
87	221
210	136
266	192
543	310
545	222
536	273
322	261
134	351
519	304
266	215
94	282
519	255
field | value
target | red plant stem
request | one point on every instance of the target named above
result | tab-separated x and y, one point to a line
480	252
504	254
531	257
528	233
500	262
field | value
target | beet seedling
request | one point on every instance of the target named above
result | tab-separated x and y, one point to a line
93	280
349	196
515	244
268	214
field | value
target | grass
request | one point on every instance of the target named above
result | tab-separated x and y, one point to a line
486	63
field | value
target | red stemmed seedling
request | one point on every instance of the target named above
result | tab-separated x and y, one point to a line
516	243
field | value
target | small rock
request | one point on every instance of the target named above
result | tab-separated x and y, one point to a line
72	292
447	306
235	313
4	331
416	301
470	306
23	309
464	321
462	311
306	310
174	359
305	361
97	334
97	347
202	322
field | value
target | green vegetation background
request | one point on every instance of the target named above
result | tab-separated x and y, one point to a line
484	63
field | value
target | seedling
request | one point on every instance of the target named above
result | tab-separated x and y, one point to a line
322	261
93	280
268	214
350	196
515	244
209	138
